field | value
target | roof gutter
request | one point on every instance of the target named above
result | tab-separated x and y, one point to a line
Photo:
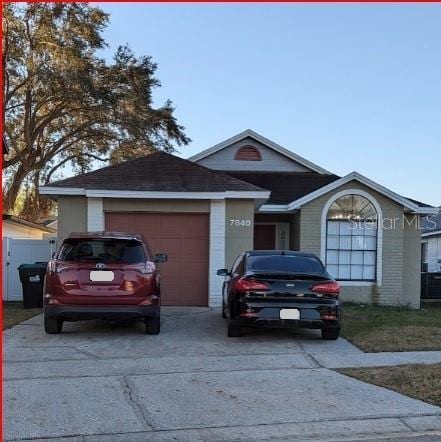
103	193
434	233
297	204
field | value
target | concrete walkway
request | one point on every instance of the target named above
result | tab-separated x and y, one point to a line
192	383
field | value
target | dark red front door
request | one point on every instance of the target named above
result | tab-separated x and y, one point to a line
264	237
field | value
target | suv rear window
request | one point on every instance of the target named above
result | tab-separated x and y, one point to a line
124	251
285	263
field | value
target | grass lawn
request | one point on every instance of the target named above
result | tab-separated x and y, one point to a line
376	329
14	313
417	381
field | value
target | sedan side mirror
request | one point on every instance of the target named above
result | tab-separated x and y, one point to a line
223	272
160	257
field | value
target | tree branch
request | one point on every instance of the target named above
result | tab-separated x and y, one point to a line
70	158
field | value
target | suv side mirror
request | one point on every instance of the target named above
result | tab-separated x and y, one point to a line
223	272
160	257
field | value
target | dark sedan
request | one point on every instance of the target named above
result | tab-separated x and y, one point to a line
283	289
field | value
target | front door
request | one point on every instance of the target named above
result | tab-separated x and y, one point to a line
264	236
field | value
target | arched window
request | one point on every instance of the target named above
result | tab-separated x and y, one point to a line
248	153
351	239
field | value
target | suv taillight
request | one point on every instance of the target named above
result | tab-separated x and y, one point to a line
57	267
250	285
331	288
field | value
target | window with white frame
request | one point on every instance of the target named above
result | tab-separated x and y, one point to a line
351	239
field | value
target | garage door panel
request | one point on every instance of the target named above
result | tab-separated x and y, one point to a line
194	266
194	249
172	247
184	238
169	228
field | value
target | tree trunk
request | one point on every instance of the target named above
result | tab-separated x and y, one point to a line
13	190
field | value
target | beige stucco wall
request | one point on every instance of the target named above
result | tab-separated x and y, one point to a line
238	238
139	205
72	215
400	252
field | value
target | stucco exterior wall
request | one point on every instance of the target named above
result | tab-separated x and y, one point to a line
238	237
72	215
400	267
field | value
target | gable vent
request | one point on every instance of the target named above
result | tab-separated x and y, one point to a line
248	153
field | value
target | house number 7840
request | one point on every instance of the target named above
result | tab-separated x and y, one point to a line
240	222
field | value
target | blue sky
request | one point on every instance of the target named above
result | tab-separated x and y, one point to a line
350	87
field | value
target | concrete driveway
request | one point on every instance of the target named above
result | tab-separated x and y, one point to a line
192	383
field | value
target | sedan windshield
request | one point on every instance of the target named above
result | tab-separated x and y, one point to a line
285	263
104	250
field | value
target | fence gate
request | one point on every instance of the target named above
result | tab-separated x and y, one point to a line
22	251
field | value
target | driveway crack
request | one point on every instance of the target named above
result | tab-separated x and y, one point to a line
403	421
86	353
309	356
134	401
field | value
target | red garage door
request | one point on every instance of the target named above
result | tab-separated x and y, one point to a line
184	238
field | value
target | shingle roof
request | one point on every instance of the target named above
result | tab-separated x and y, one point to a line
418	203
431	223
160	172
285	186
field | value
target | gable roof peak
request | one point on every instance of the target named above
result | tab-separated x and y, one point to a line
249	133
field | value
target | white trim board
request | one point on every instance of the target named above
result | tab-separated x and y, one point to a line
353	176
103	193
262	140
95	215
216	252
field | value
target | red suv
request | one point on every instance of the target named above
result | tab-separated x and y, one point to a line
108	275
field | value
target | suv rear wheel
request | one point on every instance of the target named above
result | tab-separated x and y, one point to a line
330	333
52	326
234	330
152	326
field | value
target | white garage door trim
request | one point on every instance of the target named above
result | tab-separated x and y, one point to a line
217	252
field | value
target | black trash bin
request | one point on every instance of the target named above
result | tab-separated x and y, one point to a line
32	279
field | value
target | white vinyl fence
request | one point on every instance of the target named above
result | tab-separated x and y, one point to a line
17	252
